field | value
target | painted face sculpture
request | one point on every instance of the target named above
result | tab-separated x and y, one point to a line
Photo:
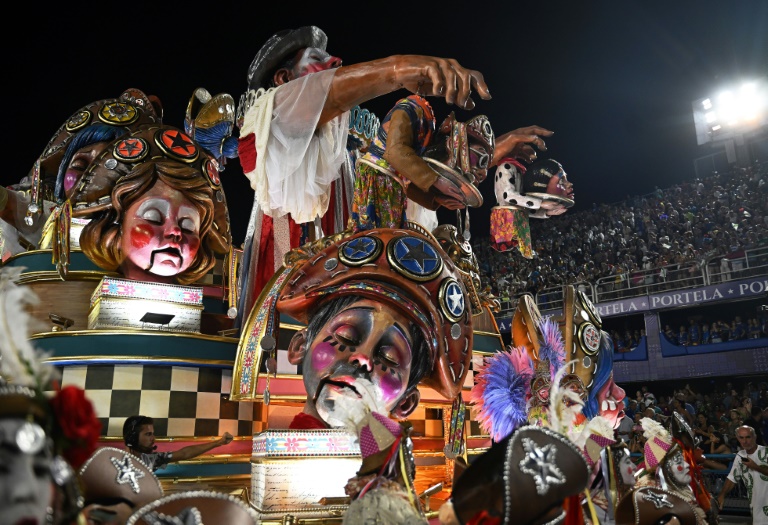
311	60
365	340
384	305
26	487
547	180
158	210
160	234
627	468
677	470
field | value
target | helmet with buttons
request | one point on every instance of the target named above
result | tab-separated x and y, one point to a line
404	268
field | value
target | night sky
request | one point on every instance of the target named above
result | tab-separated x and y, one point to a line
614	80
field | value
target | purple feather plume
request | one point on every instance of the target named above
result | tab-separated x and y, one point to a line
501	392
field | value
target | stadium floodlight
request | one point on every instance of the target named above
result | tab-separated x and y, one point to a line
734	111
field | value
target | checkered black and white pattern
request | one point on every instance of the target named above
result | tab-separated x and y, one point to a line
184	401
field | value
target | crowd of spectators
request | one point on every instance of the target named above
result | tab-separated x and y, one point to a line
713	415
718	331
665	236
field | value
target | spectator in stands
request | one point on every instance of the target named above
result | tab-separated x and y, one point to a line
715	332
683	337
730	396
701	426
716	443
694	332
678	408
725	331
744	407
755	420
631	409
739	329
705	337
734	422
754	328
624	430
640	400
670	333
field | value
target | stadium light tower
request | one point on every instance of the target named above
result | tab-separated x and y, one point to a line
733	117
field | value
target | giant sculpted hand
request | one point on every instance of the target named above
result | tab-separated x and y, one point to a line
424	75
440	77
519	144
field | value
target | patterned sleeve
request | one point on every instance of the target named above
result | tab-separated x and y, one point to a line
735	474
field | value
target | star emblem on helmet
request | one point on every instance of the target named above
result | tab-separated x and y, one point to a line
658	499
177	144
452	299
360	250
539	462
127	473
415	258
131	149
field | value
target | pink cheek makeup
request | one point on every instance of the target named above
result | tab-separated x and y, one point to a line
391	386
323	355
140	236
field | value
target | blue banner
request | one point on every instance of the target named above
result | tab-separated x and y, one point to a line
672	299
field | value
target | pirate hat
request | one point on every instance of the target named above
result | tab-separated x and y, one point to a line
196	507
280	47
112	476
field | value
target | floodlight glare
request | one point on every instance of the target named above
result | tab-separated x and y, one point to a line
734	111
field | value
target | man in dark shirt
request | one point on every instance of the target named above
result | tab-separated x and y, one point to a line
755	420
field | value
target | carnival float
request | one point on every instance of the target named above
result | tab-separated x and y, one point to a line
346	300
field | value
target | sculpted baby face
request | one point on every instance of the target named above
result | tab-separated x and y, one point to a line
160	235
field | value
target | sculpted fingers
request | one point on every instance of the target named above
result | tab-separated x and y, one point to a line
535	130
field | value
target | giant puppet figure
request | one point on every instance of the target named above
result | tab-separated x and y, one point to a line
150	196
293	125
293	128
384	305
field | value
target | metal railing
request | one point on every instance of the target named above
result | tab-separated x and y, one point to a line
690	274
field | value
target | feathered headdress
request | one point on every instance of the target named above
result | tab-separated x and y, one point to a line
20	362
501	392
511	384
552	347
658	441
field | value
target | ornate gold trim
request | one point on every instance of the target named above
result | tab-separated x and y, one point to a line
134	331
78	275
92	358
